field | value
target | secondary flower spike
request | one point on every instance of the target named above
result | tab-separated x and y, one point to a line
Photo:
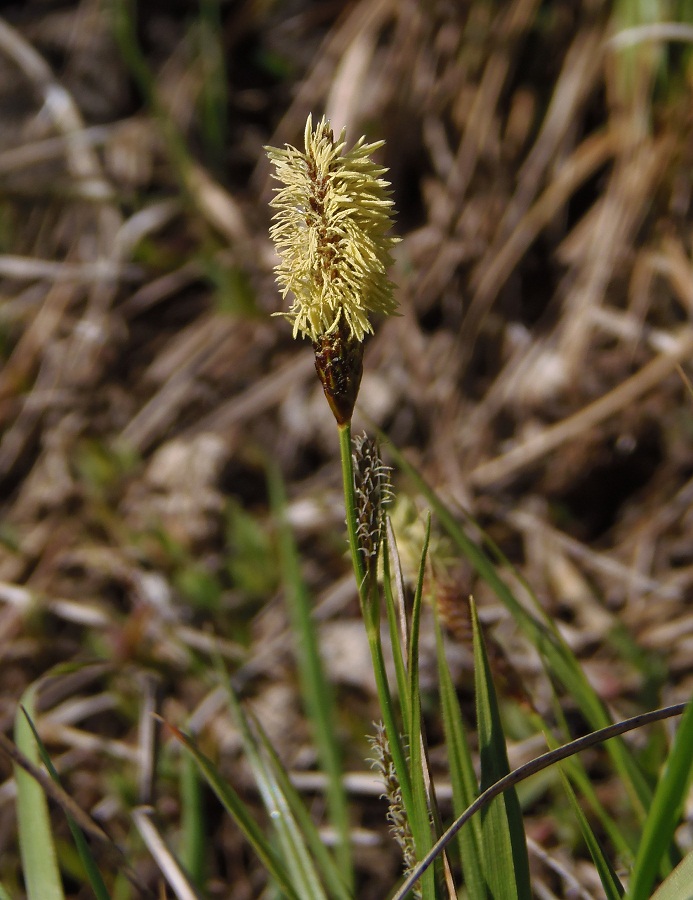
331	229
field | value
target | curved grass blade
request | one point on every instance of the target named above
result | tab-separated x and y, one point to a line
577	774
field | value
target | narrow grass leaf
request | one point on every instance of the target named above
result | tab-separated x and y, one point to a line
665	812
435	820
125	33
83	849
236	808
396	619
506	863
37	849
315	686
193	836
613	888
414	632
213	93
464	782
414	788
389	712
323	859
419	816
299	864
679	884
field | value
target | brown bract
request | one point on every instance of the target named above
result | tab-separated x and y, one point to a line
339	364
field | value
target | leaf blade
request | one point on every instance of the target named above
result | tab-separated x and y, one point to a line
607	875
465	786
665	812
506	863
37	848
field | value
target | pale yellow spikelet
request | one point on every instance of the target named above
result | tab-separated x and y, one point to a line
332	232
400	828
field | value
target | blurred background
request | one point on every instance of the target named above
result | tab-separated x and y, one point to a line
540	157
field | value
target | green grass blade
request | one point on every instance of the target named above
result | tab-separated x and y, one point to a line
125	32
464	783
679	884
3	894
213	92
36	845
613	888
193	838
419	816
389	715
299	864
558	659
236	808
413	654
324	860
315	687
395	614
87	858
506	863
665	813
533	767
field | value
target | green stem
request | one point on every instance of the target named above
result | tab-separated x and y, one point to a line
370	608
387	710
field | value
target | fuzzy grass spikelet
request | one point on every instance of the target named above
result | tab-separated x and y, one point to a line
373	492
382	762
331	230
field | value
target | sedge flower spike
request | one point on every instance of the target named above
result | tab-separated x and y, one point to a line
331	230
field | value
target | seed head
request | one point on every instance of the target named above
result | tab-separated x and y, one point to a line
331	230
373	493
382	762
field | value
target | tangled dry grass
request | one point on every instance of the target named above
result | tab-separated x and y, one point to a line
538	373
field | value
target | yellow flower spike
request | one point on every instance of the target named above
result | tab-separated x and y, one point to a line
331	230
